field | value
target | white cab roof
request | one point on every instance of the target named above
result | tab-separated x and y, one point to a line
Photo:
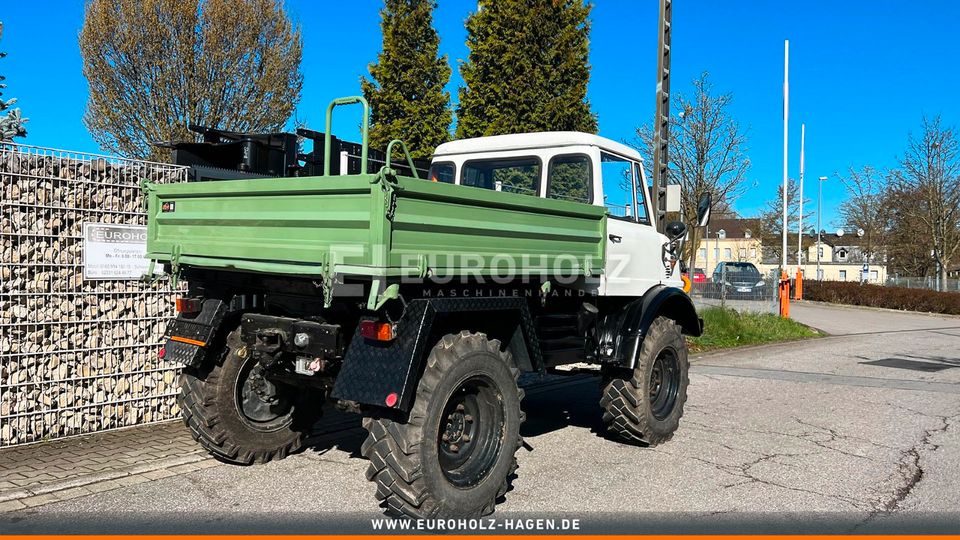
528	141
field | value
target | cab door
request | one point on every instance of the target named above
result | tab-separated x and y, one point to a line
634	261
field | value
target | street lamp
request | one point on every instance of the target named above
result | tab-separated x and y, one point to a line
819	224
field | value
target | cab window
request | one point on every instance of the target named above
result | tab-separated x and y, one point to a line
444	172
570	178
643	215
618	182
512	175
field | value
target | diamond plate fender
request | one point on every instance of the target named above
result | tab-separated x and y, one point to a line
199	327
373	370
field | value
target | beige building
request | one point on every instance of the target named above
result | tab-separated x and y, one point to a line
730	240
842	259
737	240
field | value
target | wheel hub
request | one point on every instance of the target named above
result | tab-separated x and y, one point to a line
457	431
265	390
260	400
664	383
470	434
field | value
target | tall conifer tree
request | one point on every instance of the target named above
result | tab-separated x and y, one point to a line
528	68
11	123
407	96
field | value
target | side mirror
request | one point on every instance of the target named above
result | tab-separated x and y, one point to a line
675	230
703	210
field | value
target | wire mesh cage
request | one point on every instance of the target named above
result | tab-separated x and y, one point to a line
76	355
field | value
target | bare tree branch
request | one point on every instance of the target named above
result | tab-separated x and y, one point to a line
929	177
156	66
707	153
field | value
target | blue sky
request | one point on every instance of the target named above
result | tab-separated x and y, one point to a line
861	72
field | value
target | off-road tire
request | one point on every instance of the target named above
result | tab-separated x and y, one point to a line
405	456
209	405
628	410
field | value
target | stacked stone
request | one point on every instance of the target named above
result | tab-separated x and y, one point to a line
76	355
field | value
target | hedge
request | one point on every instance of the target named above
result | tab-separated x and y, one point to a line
902	298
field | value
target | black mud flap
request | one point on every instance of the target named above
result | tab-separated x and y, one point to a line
190	334
386	374
621	334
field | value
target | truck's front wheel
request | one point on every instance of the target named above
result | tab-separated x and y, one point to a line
240	416
646	407
454	455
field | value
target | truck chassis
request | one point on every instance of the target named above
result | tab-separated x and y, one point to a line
266	343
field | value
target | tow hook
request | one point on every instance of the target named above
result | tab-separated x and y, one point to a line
266	351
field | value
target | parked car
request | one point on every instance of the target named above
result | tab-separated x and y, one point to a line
699	275
739	280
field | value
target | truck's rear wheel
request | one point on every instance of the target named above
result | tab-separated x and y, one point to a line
454	455
240	416
646	408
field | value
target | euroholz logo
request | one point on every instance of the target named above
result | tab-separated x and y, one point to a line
564	269
111	234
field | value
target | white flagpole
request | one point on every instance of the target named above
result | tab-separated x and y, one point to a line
803	129
786	114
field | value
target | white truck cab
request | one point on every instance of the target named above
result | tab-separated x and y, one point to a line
578	167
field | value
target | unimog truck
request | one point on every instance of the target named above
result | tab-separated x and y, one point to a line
418	302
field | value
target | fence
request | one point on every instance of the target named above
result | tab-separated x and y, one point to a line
924	282
735	291
76	355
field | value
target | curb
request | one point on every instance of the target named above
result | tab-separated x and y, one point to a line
878	309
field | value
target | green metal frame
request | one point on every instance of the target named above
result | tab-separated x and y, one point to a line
413	168
364	128
382	227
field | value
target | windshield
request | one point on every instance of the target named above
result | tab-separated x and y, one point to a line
742	271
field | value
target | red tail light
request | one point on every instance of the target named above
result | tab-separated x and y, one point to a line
188	305
378	331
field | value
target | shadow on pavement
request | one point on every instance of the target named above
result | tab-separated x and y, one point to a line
560	403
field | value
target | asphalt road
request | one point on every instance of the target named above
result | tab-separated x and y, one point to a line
858	428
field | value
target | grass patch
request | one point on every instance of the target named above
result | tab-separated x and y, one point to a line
725	328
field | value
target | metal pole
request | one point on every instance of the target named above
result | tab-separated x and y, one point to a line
706	251
803	128
661	122
819	224
786	114
717	252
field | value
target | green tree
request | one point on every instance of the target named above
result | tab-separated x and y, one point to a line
406	93
156	66
11	123
527	69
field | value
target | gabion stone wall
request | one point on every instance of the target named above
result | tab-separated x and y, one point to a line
76	356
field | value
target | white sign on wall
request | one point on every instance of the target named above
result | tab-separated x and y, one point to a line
114	251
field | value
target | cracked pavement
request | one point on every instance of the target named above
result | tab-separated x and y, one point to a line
797	429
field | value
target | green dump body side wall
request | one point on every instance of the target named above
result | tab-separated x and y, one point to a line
458	229
370	225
